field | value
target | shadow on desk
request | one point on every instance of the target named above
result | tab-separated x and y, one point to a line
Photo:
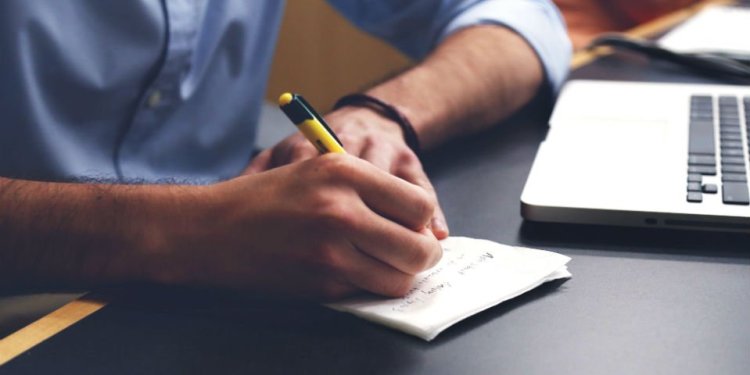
717	246
176	330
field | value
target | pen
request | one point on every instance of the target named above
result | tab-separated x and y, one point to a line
309	122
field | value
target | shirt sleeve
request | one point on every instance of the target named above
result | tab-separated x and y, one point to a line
415	27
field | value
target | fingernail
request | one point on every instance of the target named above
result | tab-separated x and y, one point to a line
439	228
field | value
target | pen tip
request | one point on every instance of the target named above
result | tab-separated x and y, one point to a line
285	98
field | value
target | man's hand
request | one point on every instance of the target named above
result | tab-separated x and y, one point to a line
321	228
369	136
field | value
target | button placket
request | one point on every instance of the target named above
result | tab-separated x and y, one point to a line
183	19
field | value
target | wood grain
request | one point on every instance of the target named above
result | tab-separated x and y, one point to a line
46	327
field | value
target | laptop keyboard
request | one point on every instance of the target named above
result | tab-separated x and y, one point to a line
704	173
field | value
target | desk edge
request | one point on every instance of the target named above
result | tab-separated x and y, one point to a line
51	324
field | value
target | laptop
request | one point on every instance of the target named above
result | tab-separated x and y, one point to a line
644	155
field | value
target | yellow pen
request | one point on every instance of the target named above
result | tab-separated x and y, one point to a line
309	122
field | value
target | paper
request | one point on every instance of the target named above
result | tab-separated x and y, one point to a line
472	276
717	28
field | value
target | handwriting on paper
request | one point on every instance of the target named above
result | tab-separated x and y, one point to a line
454	266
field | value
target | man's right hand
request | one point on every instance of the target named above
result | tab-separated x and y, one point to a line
323	228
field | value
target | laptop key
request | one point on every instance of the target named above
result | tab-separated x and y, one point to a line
735	193
701	140
731	144
733	169
701	160
710	188
695	178
702	145
694	186
733	160
729	120
733	177
725	136
726	131
702	169
732	152
694	197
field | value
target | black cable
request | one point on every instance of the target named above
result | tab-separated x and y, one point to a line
713	64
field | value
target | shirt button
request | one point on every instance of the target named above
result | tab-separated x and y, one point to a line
154	99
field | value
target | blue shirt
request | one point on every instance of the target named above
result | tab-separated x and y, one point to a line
150	90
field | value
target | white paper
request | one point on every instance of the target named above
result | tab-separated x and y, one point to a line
716	28
472	276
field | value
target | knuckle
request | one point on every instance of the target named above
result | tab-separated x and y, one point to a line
419	260
301	150
337	215
424	205
336	167
408	158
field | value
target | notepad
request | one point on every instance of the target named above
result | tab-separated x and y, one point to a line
717	28
472	276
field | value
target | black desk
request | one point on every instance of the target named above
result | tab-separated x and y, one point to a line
640	301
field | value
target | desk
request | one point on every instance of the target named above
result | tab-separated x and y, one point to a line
640	301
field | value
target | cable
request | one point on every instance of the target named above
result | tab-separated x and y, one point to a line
712	64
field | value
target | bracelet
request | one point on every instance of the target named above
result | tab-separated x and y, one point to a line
386	110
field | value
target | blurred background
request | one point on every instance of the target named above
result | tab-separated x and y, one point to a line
339	59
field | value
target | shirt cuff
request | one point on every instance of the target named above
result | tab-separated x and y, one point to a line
538	22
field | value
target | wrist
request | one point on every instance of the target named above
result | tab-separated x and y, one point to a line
363	118
168	236
387	111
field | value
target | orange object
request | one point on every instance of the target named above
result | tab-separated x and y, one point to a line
588	18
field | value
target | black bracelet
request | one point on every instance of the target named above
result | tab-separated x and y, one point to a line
386	110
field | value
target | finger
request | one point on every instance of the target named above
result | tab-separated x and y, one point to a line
370	274
392	197
280	152
381	156
301	150
260	163
412	171
408	251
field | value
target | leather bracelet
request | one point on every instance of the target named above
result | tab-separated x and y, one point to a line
386	110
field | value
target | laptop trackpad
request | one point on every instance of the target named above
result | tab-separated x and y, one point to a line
602	158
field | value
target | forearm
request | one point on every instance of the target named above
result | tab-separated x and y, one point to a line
81	233
472	80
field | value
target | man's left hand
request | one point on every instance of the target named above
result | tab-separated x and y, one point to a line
367	135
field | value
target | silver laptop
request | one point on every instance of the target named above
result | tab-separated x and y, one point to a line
644	154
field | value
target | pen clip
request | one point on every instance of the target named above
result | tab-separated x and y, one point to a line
316	116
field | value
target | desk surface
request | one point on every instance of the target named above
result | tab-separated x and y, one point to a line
640	301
